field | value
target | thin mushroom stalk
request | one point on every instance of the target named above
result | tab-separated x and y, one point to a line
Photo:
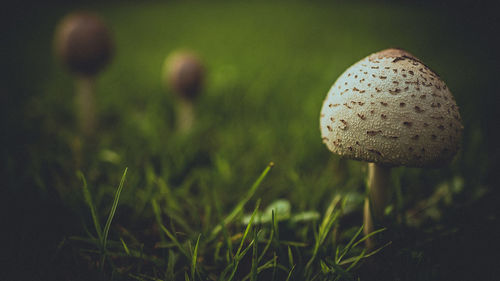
185	115
85	103
84	44
379	194
183	74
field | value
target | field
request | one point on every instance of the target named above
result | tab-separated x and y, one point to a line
185	209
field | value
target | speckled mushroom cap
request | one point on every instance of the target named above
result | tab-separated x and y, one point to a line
391	109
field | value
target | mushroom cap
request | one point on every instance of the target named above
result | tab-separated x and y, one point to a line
391	109
83	42
184	74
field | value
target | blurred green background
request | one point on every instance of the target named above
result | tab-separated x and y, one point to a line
269	66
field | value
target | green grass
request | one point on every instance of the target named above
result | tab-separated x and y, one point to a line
182	213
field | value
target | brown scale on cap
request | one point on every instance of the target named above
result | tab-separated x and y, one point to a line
413	106
395	53
83	42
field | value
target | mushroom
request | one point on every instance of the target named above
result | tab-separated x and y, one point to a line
84	45
183	74
390	109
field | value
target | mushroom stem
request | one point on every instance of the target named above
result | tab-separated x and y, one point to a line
185	115
368	224
379	178
85	103
379	191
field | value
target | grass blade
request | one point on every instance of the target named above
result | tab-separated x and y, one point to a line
249	226
157	213
113	210
170	265
125	246
144	277
255	263
353	259
290	273
195	257
290	257
266	265
330	217
368	236
240	254
356	260
274	266
350	244
341	271
268	244
175	241
239	208
325	269
274	221
225	233
238	258
88	200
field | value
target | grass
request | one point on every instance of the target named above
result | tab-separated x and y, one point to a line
194	207
246	241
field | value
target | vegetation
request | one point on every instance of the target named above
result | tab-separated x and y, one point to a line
250	193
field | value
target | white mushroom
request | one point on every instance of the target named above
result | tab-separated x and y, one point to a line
390	109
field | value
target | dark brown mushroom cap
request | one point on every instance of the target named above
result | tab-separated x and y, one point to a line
83	43
391	109
184	74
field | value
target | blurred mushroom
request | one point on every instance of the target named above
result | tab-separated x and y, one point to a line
183	74
84	45
390	109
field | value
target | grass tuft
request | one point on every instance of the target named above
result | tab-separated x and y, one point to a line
238	209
